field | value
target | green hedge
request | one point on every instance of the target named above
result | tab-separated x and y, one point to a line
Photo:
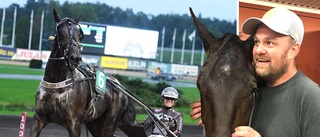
35	63
148	93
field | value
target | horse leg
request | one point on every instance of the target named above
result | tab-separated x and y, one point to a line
74	129
38	123
102	127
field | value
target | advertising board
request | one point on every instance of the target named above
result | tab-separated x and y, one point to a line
130	42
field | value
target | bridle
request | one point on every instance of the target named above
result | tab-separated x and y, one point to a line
64	46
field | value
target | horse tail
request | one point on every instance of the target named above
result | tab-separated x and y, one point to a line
129	117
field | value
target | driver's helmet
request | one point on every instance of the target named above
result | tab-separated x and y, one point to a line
170	92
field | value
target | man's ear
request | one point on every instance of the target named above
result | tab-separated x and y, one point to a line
295	49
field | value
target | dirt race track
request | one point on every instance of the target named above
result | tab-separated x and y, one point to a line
9	127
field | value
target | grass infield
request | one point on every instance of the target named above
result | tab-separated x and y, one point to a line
18	95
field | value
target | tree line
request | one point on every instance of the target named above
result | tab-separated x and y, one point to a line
103	14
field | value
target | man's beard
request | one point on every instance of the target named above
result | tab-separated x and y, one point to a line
274	71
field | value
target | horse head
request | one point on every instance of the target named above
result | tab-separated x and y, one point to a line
67	40
226	82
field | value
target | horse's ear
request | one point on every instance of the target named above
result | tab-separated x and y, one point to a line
206	37
78	19
249	43
57	18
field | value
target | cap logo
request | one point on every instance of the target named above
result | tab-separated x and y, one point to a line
268	15
297	35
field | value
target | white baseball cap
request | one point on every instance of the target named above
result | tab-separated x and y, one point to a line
280	20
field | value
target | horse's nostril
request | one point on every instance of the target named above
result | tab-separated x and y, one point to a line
75	58
72	58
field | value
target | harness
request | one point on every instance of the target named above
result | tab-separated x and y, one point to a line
254	91
81	73
96	96
67	82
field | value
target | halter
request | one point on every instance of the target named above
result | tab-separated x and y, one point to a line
65	52
71	41
254	91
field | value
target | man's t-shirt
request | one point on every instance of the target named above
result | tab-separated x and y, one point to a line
291	109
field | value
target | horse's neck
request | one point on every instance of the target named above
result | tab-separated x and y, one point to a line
56	70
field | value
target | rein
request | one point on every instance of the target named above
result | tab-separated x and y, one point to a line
255	98
149	111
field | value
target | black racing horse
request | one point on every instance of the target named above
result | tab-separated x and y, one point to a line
226	82
68	96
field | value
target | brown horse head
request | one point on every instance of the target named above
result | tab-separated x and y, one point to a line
226	81
68	37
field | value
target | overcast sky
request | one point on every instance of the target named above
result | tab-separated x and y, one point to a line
221	9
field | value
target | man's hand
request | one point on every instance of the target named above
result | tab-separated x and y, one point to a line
245	131
195	112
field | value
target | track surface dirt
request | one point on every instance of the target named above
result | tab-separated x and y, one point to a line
9	127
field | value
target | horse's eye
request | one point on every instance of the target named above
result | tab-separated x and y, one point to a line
60	33
81	37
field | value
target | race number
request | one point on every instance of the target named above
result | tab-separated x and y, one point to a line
100	80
